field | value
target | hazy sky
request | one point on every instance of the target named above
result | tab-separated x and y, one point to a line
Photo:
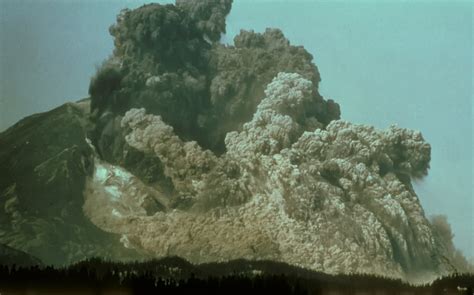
384	62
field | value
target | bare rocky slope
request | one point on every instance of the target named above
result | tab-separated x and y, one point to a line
215	152
44	162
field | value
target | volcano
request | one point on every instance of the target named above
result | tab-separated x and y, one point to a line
189	147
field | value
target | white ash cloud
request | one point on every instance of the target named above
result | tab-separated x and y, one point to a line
337	199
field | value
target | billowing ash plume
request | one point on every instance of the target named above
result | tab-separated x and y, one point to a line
163	61
209	15
233	153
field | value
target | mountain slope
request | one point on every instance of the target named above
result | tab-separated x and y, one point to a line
10	256
45	160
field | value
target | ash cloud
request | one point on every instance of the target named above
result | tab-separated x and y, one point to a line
163	62
253	161
210	15
449	253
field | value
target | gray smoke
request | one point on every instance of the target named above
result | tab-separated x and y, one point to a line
247	159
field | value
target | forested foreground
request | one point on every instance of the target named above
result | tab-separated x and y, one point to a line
174	275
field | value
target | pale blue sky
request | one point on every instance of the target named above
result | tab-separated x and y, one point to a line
387	62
